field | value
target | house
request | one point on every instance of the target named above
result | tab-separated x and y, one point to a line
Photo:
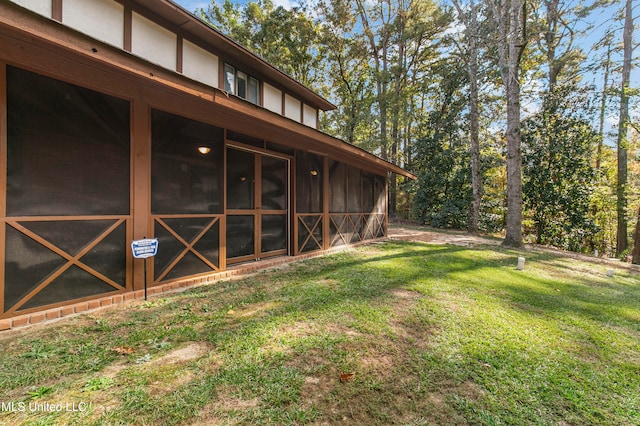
129	119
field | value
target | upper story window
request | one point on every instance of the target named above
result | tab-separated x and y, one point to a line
240	84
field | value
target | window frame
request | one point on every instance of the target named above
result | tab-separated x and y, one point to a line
248	81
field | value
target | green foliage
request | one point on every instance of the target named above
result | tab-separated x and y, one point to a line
558	174
98	383
39	392
286	38
444	192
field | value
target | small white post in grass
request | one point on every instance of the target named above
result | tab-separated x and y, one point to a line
609	273
596	253
520	264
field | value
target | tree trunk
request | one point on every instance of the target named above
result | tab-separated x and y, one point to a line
474	128
511	81
471	31
603	109
621	244
635	258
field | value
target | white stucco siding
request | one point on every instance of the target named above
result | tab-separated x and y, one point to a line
42	7
100	19
272	98
153	42
310	116
199	64
292	108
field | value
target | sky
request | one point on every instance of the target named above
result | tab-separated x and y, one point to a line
602	20
192	5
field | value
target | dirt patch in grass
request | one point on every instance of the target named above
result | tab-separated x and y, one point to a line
187	353
225	407
254	309
441	237
405	294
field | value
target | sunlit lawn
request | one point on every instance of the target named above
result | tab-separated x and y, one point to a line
432	334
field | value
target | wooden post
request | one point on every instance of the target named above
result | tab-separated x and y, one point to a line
141	197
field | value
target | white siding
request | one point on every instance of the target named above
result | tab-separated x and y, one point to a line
292	108
272	98
100	19
199	64
310	116
153	42
43	7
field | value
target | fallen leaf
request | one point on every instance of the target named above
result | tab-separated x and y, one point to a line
345	377
122	350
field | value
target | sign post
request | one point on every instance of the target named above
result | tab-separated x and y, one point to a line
142	249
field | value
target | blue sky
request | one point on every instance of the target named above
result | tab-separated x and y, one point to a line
192	5
601	19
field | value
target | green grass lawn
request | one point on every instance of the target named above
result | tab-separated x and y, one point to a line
438	335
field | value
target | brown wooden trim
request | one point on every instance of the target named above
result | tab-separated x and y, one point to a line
62	43
186	216
267	254
256	150
257	212
3	139
221	63
179	53
293	208
284	104
242	212
339	234
56	10
326	230
189	247
128	29
257	193
386	205
141	185
241	259
310	230
222	254
3	173
72	260
174	19
63	218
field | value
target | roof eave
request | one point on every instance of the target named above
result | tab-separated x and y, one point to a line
191	24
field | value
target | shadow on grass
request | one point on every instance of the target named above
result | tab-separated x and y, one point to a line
316	318
609	301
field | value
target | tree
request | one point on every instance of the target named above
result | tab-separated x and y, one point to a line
470	20
559	174
286	38
635	257
441	155
623	123
401	36
510	23
348	56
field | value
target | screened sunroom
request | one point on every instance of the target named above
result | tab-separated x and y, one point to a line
140	121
